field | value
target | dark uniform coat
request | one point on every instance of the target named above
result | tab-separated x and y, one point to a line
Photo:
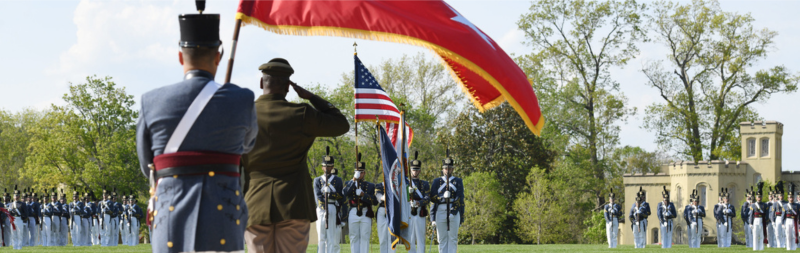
613	210
671	213
635	215
335	196
745	211
424	189
278	185
368	200
456	197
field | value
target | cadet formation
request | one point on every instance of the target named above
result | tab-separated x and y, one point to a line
352	202
86	221
771	224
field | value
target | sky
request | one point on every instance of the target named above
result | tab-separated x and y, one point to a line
49	44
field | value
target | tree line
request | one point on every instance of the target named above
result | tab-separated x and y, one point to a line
520	188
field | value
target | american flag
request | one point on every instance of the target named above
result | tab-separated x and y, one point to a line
373	102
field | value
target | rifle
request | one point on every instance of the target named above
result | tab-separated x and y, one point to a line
358	186
325	205
447	189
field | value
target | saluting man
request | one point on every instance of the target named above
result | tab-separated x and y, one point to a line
791	211
190	138
694	214
420	197
328	192
727	214
448	206
758	216
666	213
612	212
361	198
745	211
638	215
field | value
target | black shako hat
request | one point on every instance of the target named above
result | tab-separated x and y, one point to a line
359	164
665	193
416	164
448	162
277	67
199	30
327	159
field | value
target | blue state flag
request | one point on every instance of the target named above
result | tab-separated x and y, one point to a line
395	185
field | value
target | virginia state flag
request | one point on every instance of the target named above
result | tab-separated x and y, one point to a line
485	73
395	184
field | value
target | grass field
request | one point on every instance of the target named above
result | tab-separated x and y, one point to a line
572	248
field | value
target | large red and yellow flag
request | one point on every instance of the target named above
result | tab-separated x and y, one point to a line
483	70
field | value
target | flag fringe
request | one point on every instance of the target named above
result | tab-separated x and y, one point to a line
442	52
399	239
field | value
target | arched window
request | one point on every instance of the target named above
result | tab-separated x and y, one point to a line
751	147
701	190
655	235
678	235
678	196
764	147
732	191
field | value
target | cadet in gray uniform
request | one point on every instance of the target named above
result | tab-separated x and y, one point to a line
190	138
328	193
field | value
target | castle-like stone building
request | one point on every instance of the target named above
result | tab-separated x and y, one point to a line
761	161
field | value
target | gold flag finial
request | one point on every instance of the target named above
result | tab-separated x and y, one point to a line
355	48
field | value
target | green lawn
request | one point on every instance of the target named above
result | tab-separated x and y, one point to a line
572	248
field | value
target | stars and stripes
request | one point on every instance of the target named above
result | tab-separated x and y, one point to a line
373	102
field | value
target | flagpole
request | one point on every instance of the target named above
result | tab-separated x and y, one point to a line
233	51
355	73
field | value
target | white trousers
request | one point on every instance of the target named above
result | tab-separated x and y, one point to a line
639	234
18	235
86	232
133	239
448	240
105	232
123	231
30	239
695	231
724	235
417	233
780	234
770	235
789	230
55	231
75	230
666	235
47	226
95	232
360	230
328	238
748	235
612	229
64	231
384	236
758	234
115	233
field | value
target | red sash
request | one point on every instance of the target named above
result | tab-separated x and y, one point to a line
192	158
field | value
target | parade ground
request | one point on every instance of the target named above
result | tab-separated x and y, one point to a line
461	248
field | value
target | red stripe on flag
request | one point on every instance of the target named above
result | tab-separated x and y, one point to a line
377	107
373	95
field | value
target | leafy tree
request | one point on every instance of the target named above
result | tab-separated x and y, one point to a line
576	42
708	85
89	143
14	139
535	209
595	228
484	206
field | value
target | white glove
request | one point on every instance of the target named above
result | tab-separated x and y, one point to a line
325	189
433	223
358	192
694	211
451	216
446	195
664	224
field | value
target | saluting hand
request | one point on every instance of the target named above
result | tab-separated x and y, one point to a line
302	93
